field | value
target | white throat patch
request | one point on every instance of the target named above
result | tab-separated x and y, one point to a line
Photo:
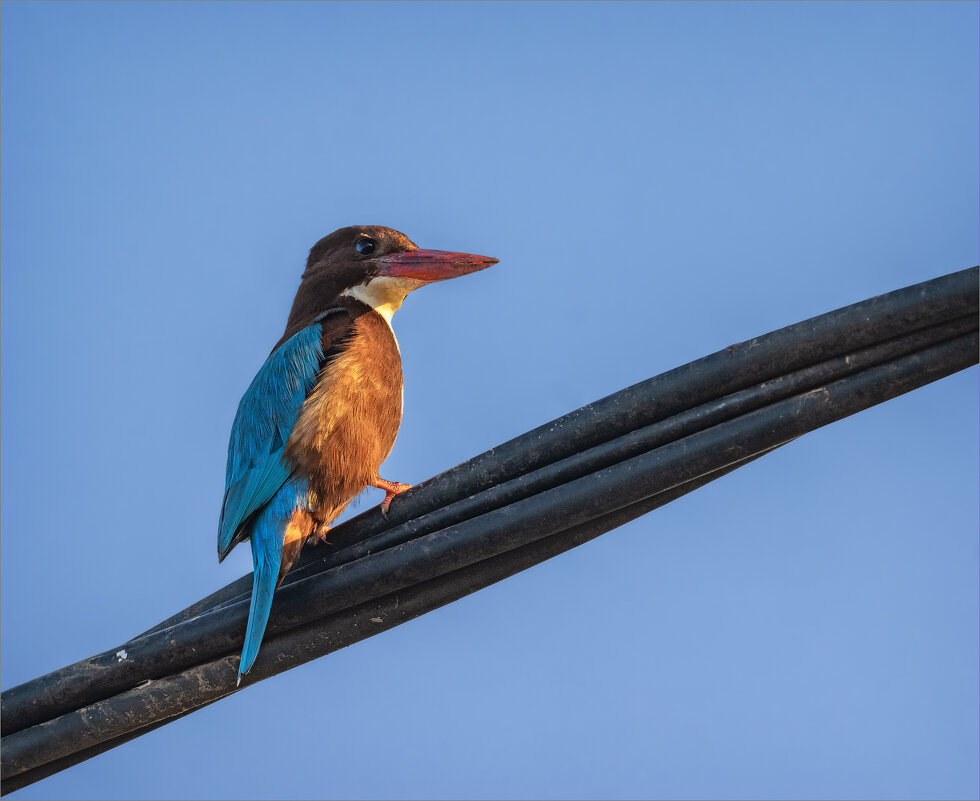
383	294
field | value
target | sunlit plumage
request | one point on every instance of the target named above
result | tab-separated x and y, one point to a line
323	412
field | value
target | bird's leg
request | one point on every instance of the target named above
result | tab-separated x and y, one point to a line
391	488
319	534
323	516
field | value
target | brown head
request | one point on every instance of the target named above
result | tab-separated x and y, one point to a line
375	265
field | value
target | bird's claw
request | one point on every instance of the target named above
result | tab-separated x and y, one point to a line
391	488
386	503
319	535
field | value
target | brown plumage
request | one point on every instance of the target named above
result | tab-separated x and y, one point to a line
348	425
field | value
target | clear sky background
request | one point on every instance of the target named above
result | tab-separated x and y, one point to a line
658	181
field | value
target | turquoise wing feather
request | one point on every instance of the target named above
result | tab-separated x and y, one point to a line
266	416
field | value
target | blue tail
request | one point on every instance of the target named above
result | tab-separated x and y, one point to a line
266	538
266	556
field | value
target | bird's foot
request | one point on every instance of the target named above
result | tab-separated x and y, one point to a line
391	488
319	535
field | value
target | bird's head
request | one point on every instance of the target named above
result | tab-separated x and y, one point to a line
377	266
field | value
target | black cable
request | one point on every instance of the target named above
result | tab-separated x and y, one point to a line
503	510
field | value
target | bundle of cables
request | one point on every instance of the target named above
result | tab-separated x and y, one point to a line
501	512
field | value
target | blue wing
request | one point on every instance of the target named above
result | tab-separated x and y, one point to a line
266	416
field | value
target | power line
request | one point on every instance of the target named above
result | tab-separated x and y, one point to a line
501	512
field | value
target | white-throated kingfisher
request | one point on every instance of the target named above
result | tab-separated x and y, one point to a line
322	414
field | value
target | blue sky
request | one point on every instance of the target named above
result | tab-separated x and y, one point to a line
658	181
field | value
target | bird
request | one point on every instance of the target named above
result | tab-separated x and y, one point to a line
323	411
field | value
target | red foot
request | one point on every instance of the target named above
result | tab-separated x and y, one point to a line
391	488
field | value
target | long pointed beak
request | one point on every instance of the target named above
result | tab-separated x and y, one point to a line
431	265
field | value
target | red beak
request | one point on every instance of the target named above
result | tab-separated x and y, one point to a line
431	265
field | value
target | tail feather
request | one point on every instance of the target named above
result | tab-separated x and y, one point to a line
266	556
268	532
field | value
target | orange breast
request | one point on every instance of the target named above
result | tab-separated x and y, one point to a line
347	426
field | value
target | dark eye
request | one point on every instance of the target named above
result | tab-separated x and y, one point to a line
365	246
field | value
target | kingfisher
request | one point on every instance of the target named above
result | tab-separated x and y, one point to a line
324	409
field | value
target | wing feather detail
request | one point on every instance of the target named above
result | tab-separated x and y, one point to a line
266	415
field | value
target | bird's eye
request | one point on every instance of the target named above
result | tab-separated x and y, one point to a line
365	246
